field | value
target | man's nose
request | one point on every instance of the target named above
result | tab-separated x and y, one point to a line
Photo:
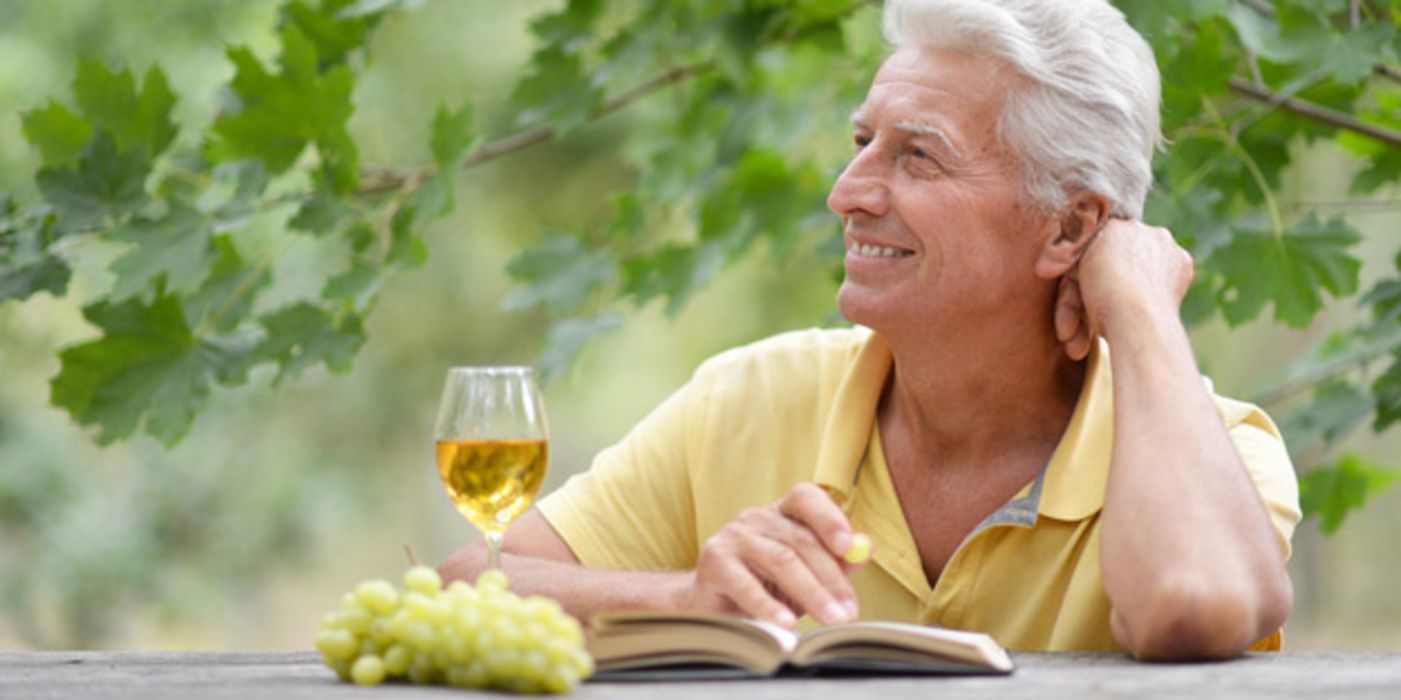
861	188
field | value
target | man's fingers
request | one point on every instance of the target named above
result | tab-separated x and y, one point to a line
809	505
743	588
789	572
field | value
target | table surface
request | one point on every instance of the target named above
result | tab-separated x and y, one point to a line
216	675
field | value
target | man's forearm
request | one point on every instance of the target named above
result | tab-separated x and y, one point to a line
583	592
1190	561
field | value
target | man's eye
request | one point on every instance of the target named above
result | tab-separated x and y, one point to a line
919	153
861	141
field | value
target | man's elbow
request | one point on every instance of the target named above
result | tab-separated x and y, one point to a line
1204	620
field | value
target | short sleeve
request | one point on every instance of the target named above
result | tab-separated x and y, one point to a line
1267	460
633	508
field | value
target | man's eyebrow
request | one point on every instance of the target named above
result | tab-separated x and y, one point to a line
928	130
858	120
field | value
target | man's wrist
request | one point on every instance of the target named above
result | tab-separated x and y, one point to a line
1133	314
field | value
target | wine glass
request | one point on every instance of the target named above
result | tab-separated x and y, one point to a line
492	446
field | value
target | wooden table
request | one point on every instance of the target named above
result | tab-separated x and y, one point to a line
216	675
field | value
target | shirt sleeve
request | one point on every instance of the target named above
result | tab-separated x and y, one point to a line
633	508
1267	460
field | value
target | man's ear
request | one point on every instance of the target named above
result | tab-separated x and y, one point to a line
1075	226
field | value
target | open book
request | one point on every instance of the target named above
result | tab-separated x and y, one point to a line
628	641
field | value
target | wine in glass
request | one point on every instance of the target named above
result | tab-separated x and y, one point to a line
492	446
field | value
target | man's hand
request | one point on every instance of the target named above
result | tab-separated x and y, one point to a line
1128	270
779	562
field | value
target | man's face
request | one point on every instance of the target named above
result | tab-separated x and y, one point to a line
935	195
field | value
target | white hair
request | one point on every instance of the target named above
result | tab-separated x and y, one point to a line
1086	115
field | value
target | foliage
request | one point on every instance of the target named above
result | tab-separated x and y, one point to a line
735	162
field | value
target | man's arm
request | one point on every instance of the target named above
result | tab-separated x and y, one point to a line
1190	561
537	561
777	563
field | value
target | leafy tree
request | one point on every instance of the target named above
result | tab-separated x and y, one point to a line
736	114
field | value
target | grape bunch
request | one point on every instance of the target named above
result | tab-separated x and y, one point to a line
479	636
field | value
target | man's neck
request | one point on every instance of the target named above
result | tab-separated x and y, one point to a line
980	393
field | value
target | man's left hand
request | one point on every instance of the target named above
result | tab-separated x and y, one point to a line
1128	270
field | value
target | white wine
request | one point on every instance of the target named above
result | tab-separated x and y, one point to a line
492	481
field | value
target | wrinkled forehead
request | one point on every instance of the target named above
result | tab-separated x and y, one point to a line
963	92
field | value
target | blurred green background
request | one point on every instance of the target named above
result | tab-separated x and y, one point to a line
279	500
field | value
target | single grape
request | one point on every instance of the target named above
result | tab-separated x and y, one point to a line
396	660
367	670
491	581
379	597
336	644
422	579
860	548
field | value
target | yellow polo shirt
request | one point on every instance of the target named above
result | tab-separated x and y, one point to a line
801	406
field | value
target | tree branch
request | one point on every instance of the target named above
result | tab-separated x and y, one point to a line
1317	113
1329	369
389	180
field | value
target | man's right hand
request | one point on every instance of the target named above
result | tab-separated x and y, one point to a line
779	562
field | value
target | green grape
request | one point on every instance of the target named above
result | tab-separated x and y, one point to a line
381	630
336	643
379	597
418	606
422	579
367	670
396	660
480	636
421	671
491	581
353	620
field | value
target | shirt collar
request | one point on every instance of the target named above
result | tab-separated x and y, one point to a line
1071	487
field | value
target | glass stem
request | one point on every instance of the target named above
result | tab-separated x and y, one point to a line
493	551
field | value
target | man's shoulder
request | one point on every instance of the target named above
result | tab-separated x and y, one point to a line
795	354
1235	412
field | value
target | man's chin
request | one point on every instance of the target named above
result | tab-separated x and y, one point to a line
860	306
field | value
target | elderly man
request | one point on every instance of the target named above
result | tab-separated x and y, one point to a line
1017	421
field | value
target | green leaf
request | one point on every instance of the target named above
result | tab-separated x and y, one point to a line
357	285
105	183
1336	410
566	338
431	200
58	133
1333	492
1261	35
1386	391
174	249
559	273
557	90
277	115
26	265
135	119
1383	169
321	214
302	335
673	271
228	293
1349	57
570	27
146	368
452	135
1288	271
335	35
